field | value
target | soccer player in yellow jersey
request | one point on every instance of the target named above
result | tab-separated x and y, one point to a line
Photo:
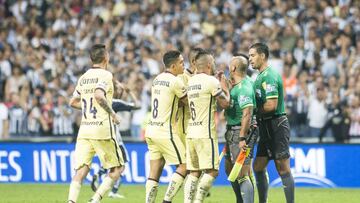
161	135
183	114
93	95
202	153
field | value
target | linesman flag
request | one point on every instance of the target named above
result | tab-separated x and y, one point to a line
240	159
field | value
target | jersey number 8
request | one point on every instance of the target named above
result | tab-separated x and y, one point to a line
155	108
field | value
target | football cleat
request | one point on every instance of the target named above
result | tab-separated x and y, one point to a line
93	201
115	195
95	182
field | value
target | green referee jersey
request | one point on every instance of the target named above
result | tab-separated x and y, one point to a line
268	85
241	96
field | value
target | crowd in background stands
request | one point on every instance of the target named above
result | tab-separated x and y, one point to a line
314	44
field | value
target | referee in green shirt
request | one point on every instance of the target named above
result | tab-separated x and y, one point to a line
239	117
273	124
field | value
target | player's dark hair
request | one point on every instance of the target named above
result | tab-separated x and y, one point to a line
97	53
171	57
193	53
261	48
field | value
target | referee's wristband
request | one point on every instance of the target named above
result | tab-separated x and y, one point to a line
242	138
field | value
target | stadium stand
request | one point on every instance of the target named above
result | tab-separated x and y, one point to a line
315	45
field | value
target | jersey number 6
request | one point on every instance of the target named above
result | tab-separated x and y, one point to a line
192	110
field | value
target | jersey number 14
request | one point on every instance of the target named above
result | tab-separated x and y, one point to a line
92	109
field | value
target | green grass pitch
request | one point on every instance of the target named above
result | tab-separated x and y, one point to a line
18	193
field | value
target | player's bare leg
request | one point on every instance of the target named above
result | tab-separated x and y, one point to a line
152	183
76	182
246	187
235	185
176	182
283	168
107	183
205	184
262	181
190	186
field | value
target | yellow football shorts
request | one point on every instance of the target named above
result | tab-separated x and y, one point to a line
108	152
172	150
202	154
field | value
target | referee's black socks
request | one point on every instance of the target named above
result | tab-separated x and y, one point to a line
288	184
262	183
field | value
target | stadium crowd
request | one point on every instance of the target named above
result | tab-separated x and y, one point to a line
44	44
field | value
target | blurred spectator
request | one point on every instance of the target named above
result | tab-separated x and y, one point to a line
46	111
140	114
35	121
301	105
337	121
3	121
62	117
5	71
329	68
355	117
17	117
275	59
317	113
313	44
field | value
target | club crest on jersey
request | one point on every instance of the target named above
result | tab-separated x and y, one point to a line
270	88
244	99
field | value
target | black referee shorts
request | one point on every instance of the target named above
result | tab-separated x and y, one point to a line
274	138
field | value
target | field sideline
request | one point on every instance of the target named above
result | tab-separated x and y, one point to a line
14	193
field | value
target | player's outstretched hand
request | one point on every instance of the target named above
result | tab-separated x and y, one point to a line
116	118
223	81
